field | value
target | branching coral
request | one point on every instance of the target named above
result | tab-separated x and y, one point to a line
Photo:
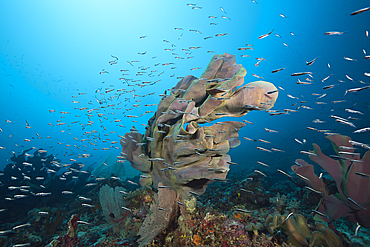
295	226
349	172
176	150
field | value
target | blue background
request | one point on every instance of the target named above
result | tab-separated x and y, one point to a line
53	50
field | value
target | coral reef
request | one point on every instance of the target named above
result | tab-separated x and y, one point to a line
179	153
350	174
295	226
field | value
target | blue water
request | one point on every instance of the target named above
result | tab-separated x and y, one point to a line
51	51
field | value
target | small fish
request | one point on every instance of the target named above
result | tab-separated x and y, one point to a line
321	214
362	130
249	191
273	91
354	90
260	77
84	198
21	226
282	15
298	141
277	70
353	111
88	205
323	80
348	153
194	193
364	175
345	122
313	190
263	149
265	35
127	209
329	86
292	97
357	229
67	192
278	113
261	140
243	210
303	177
358	205
349	59
247	121
83	222
43	194
91	184
338	101
349	78
286	174
360	11
311	62
309	153
334	33
257	171
301	73
288	216
225	17
261	163
271	131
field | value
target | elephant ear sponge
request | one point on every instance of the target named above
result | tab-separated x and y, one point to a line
180	154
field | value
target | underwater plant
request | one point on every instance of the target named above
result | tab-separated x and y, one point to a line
350	173
179	155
